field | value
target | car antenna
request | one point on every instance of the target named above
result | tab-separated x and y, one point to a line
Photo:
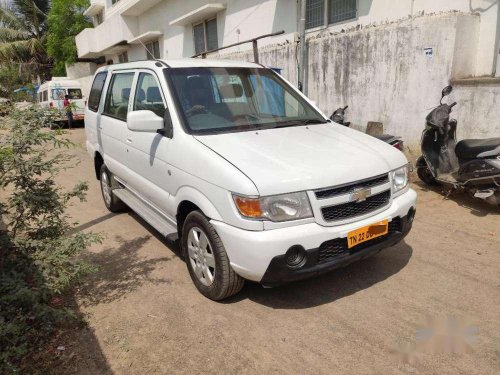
151	54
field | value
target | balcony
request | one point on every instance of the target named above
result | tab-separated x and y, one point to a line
108	38
132	8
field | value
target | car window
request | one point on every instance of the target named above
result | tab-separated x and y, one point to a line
148	95
96	91
118	96
45	96
75	93
58	94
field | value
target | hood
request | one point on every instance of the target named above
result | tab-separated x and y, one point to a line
301	158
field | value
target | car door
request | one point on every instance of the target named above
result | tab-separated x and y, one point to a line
112	127
148	151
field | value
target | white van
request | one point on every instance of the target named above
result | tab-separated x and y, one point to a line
257	183
51	95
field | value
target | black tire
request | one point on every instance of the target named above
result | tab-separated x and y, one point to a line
425	174
114	204
225	282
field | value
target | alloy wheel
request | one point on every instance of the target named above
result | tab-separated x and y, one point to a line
201	256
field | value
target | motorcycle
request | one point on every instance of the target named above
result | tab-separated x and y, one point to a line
339	115
471	165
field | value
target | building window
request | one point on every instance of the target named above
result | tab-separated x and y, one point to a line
123	57
315	13
113	2
336	10
341	10
153	50
205	36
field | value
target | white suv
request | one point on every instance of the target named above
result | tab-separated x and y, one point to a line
255	180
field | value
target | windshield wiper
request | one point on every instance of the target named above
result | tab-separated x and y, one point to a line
285	124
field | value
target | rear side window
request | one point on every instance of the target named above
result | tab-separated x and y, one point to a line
75	93
118	96
96	91
58	94
45	96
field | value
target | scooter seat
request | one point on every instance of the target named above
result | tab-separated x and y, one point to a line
474	148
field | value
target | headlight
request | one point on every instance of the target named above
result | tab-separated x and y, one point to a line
283	207
400	178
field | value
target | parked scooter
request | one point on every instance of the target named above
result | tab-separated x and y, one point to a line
472	165
338	117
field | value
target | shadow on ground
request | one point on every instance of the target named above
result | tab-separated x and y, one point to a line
332	286
121	271
476	206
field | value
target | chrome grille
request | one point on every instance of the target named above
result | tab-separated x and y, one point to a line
337	247
349	188
351	209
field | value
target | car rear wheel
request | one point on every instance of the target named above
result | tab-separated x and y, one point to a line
112	203
207	260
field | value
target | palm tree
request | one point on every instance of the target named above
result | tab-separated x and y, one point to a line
23	28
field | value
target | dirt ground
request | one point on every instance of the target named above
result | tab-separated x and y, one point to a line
378	316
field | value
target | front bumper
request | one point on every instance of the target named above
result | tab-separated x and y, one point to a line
259	255
279	272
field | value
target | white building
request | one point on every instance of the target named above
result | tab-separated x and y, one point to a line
387	59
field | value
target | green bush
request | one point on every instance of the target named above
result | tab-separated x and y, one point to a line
38	251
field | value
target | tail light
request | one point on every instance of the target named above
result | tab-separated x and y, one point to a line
398	145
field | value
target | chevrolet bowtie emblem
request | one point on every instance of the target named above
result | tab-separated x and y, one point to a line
360	195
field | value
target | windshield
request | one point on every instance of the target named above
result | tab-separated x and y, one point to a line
215	100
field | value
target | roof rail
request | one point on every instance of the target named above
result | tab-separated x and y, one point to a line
253	41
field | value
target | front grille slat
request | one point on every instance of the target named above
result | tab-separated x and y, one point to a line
349	188
351	209
333	249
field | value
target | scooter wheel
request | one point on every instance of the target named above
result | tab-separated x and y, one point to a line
424	173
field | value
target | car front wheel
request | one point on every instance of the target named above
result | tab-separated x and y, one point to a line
207	260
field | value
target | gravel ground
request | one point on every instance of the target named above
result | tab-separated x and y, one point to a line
429	305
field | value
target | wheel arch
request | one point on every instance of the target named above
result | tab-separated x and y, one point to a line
189	199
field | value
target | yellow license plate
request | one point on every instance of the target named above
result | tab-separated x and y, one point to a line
367	233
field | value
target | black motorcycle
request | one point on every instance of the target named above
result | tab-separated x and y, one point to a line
339	115
472	165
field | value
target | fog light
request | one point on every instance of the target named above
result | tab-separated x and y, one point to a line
295	256
411	215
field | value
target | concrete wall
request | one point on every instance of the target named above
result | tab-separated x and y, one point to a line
478	109
383	73
83	73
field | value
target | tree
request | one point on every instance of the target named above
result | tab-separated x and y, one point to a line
23	27
66	20
9	80
39	245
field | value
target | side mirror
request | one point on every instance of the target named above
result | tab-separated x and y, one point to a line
446	91
144	121
168	126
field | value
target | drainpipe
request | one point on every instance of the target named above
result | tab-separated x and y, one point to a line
302	45
497	42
